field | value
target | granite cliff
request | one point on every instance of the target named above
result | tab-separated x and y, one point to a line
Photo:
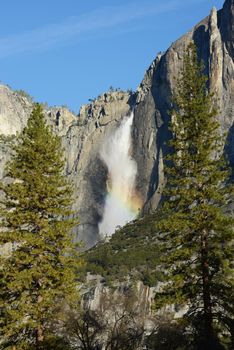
83	135
214	37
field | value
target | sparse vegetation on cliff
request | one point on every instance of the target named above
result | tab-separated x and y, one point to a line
24	94
132	251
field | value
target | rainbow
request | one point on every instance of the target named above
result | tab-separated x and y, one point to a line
132	202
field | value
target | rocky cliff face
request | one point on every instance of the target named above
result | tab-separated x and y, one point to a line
119	300
89	174
83	135
214	37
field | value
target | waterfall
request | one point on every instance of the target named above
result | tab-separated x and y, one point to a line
122	203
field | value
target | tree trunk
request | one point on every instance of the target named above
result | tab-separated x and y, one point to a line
39	331
14	347
39	337
207	304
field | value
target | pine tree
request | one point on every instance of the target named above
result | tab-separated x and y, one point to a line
195	233
39	273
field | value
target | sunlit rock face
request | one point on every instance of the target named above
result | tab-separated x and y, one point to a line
14	111
214	37
83	144
83	136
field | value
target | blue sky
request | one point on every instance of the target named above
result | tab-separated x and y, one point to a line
64	52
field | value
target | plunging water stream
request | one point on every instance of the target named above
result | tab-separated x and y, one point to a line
122	204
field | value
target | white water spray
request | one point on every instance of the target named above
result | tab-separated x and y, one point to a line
120	205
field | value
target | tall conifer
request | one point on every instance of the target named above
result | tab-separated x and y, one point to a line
196	235
38	274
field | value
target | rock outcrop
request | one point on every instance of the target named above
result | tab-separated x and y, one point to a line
83	135
119	299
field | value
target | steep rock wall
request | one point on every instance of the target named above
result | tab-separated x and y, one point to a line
82	137
214	37
89	174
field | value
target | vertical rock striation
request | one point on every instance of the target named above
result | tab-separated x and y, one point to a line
82	137
214	37
88	172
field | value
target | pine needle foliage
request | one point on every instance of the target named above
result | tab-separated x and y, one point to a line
195	233
38	274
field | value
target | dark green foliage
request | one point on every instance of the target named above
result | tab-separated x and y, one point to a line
131	251
168	336
39	270
196	236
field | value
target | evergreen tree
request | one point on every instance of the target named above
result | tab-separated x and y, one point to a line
195	232
38	274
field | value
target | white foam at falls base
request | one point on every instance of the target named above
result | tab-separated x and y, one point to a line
122	170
